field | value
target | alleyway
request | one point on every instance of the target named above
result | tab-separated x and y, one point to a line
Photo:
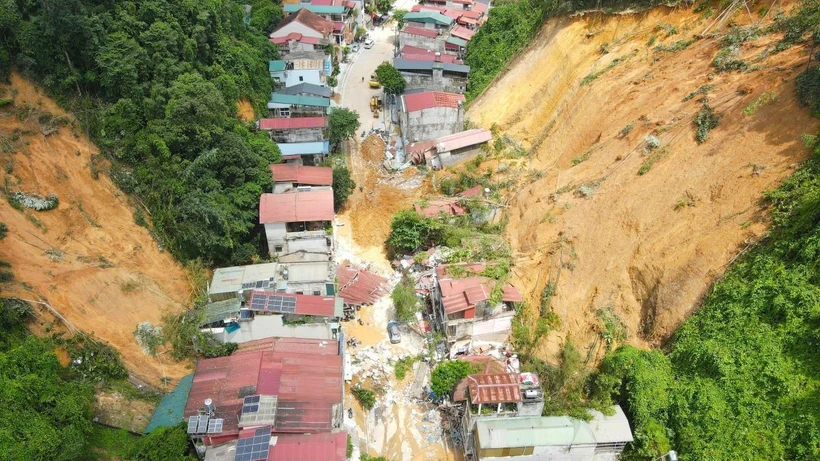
400	427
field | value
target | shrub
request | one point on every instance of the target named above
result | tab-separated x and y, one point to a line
149	337
725	60
808	89
35	202
409	230
4	230
366	397
447	374
403	366
705	121
405	300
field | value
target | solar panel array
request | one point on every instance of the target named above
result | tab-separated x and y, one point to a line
251	404
273	303
254	448
258	284
198	424
215	426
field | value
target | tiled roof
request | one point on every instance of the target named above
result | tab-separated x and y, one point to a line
463	139
358	286
307	18
297	37
301	174
496	388
429	33
321	306
315	205
429	99
292	123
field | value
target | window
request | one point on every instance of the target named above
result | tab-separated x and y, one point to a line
300	292
277	249
317	293
284	112
301	78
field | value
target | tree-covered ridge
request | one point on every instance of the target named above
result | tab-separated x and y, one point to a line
742	380
156	84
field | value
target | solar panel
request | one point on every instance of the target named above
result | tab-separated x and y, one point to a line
251	399
202	427
215	426
193	421
254	448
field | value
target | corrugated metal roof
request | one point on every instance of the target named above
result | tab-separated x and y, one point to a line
447	206
314	447
463	32
171	408
480	7
231	279
428	17
490	366
314	205
297	37
305	375
302	174
318	9
461	294
413	53
429	33
307	88
494	388
560	431
358	286
304	148
472	14
463	139
292	123
456	41
430	99
217	311
276	66
408	64
298	100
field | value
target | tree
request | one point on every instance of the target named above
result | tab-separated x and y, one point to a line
390	78
405	300
343	186
409	230
195	116
342	124
447	374
163	444
399	16
383	6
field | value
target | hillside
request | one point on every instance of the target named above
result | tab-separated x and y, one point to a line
613	219
87	258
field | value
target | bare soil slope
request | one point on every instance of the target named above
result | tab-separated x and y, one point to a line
646	245
87	258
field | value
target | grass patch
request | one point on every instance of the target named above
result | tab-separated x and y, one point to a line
626	130
105	443
594	75
726	60
403	366
653	157
702	90
761	101
581	158
366	397
679	45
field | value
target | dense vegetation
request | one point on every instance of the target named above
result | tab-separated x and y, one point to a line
447	375
405	300
156	85
742	380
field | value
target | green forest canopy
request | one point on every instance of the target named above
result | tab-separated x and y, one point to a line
156	85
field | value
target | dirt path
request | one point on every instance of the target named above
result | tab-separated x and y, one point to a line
87	258
613	225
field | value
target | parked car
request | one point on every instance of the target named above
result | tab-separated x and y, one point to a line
393	332
354	48
369	43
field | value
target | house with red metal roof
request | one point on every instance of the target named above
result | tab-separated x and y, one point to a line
305	23
470	305
297	224
359	286
302	447
430	114
292	177
269	388
298	129
449	150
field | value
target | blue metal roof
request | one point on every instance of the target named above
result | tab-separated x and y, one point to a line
276	66
298	100
429	17
318	9
304	148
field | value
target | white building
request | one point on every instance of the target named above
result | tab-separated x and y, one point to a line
430	115
236	283
298	225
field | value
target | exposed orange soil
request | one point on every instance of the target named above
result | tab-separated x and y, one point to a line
377	197
244	110
87	258
648	246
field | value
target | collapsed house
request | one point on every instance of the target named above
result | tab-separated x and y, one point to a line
463	307
449	150
430	114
